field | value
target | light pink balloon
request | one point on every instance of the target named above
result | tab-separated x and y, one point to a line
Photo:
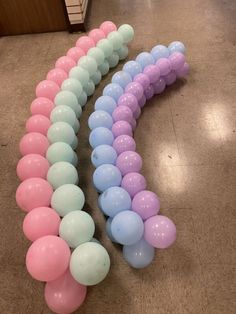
47	89
48	258
96	34
32	166
34	143
108	27
85	43
75	53
64	295
57	75
42	105
32	193
41	221
38	123
65	63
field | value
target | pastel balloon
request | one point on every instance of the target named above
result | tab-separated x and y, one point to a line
96	34
100	118
69	99
108	230
142	79
33	192
124	143
153	73
47	258
129	161
149	92
61	173
67	198
121	78
88	63
40	222
142	101
146	204
97	54
159	86
80	74
133	123
103	154
123	52
82	99
75	53
89	264
115	39
61	132
136	89
63	113
85	43
113	60
72	85
74	144
105	103
177	60
170	78
133	68
164	66
128	100
96	77
89	88
41	105
104	68
184	71
65	63
114	200
33	143
60	151
122	113
57	75
100	136
47	89
159	52
106	176
160	231
64	295
108	27
121	127
176	46
106	46
145	59
113	90
77	227
137	112
32	166
133	183
139	255
127	32
38	123
127	227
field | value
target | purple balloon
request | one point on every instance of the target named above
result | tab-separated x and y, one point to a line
142	101
164	66
149	92
146	204
133	183
160	231
133	124
177	60
159	86
122	128
124	143
184	71
170	78
135	88
122	113
153	72
129	161
142	79
128	100
137	113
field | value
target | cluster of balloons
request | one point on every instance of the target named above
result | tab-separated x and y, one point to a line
132	210
49	192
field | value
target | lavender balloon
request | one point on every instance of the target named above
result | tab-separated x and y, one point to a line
128	100
142	79
129	161
146	204
133	183
136	89
121	127
124	143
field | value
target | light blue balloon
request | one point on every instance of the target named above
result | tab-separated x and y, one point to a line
108	230
139	255
104	68
101	136
121	78
127	227
60	151
105	103
68	98
160	51
96	77
132	67
113	90
103	154
115	200
106	176
73	86
89	88
100	118
123	52
176	46
82	100
144	59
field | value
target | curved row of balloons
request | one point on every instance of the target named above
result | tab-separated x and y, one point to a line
52	181
132	210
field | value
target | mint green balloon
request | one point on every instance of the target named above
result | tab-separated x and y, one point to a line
127	32
61	132
67	198
63	113
115	39
96	78
74	144
89	88
113	60
89	263
60	152
76	126
104	68
73	86
88	63
97	54
95	240
123	52
83	99
62	172
68	98
75	160
79	74
106	47
77	227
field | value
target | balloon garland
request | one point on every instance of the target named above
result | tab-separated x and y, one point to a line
132	210
53	180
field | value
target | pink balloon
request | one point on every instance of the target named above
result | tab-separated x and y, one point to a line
64	295
121	127
48	258
41	221
124	143
96	34
34	143
75	53
108	27
47	89
38	123
133	183
32	166
42	105
32	193
85	43
65	63
57	75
